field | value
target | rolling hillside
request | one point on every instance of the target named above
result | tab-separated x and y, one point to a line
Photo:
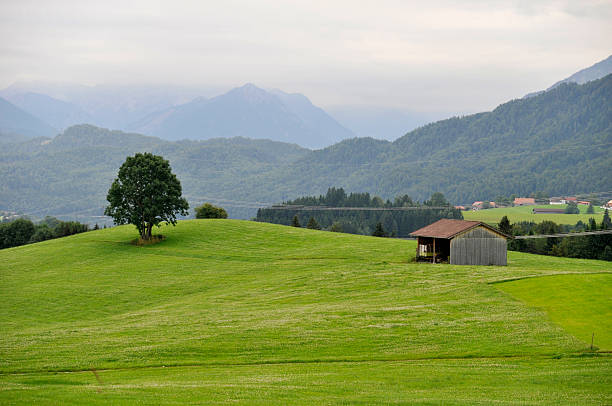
71	173
559	142
234	311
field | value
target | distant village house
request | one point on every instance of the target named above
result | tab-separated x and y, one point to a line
557	200
483	205
565	200
524	201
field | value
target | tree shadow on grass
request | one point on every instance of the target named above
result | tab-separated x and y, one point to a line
139	242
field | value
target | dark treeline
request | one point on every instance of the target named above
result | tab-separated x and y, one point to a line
23	231
587	246
394	223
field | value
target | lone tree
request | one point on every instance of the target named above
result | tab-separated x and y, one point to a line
606	223
145	193
295	222
505	226
312	224
590	209
208	211
572	208
379	231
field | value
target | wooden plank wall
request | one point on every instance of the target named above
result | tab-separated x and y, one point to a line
479	246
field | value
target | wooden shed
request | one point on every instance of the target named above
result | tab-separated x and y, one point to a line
461	242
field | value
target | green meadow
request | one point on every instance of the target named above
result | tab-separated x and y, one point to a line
525	213
226	311
581	304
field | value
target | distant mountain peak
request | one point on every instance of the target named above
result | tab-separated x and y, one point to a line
596	71
593	72
247	111
16	121
249	86
250	93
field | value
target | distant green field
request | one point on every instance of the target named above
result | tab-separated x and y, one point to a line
225	312
582	304
524	213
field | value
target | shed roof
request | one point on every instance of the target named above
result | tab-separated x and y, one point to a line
448	228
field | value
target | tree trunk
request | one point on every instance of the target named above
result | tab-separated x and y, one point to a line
145	234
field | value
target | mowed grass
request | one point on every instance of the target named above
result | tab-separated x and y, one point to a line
584	381
581	304
225	311
525	213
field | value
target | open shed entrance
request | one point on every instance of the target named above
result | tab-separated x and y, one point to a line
430	249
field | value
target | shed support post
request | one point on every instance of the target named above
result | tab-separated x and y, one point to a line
434	251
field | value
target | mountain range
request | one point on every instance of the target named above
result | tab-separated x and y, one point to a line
175	112
246	111
558	142
17	124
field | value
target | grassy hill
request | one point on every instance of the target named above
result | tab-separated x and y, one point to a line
525	213
228	311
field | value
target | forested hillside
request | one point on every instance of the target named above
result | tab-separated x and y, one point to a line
558	142
397	218
71	173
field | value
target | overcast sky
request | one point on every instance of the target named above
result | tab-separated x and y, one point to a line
460	56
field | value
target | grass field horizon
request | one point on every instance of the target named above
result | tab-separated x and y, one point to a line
524	213
235	311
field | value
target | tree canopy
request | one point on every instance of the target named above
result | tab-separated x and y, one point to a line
505	226
24	231
295	222
312	224
145	193
208	211
572	208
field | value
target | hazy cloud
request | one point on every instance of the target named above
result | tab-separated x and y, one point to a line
440	55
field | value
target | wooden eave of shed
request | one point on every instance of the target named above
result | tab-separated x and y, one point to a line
450	228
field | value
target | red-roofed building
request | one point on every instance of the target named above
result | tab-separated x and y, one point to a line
481	205
524	201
